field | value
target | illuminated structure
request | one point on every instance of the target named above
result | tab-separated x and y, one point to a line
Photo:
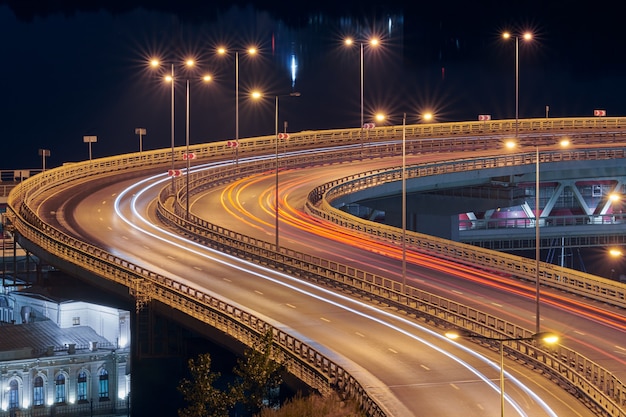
52	358
544	337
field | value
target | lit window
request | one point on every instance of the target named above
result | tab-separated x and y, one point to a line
103	385
38	392
81	386
59	387
14	394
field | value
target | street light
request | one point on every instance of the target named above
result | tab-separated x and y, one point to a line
189	155
373	42
250	51
155	63
381	117
511	144
140	131
257	96
526	36
546	337
188	64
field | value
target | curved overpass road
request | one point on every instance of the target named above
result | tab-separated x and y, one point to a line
398	361
247	206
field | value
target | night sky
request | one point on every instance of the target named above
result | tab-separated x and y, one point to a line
70	70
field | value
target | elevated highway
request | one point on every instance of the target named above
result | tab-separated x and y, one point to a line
67	235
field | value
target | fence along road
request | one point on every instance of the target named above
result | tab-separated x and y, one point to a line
595	385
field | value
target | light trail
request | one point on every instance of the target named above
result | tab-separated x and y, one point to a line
251	268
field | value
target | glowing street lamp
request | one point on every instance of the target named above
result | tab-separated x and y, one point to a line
257	95
564	143
155	63
251	51
545	337
188	64
372	42
381	118
527	36
188	155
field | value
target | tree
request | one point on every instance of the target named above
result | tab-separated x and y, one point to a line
205	400
259	375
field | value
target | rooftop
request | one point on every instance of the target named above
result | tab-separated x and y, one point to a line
40	336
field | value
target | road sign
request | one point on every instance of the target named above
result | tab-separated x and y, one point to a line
283	136
484	117
232	144
90	139
174	172
189	155
599	113
369	125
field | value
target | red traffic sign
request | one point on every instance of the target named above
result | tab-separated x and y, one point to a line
232	144
174	172
369	125
189	155
484	117
283	136
599	113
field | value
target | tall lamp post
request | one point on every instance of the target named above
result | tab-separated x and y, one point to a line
380	118
250	51
155	63
526	36
426	117
372	42
546	337
188	156
170	78
257	95
564	143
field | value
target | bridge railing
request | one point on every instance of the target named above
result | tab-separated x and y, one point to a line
321	200
579	375
318	371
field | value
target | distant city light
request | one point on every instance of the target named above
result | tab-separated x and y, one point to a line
294	68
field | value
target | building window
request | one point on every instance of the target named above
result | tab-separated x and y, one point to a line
59	388
38	392
103	386
81	386
76	321
596	190
14	394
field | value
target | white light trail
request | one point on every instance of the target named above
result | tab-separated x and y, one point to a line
264	273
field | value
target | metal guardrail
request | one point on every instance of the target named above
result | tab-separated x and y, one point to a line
311	366
572	281
577	374
308	364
